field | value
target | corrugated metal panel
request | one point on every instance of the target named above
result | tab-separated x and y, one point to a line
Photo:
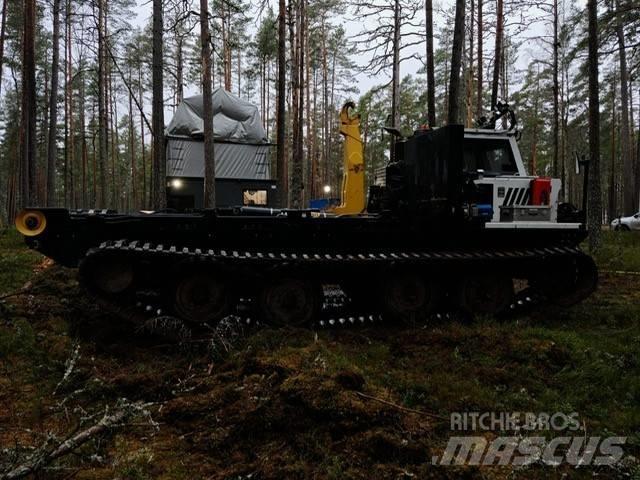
185	158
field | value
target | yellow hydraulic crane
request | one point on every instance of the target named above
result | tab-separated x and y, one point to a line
353	192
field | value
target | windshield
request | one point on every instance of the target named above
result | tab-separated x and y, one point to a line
494	156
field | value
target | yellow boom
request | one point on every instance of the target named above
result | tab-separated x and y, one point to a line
353	194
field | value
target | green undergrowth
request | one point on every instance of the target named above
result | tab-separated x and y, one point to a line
619	251
17	262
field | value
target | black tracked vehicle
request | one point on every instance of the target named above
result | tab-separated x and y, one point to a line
458	225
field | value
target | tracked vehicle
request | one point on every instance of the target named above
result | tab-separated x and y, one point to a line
458	225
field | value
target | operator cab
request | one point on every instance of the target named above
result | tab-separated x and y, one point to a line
493	153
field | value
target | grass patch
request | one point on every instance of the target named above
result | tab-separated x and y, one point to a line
619	251
17	262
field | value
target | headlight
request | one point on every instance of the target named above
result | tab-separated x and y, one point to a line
31	223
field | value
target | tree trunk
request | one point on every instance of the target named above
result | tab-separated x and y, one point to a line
85	150
102	108
297	75
69	100
480	66
638	156
52	147
281	120
498	54
145	198
207	94
625	137
159	165
556	112
180	71
469	100
132	152
612	178
3	30
29	101
325	107
594	190
395	78
456	60
431	81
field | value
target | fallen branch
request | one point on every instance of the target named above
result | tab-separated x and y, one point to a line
17	293
45	454
400	407
70	364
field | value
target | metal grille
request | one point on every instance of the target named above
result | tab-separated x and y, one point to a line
516	196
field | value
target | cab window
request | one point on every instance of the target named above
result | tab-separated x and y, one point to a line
493	156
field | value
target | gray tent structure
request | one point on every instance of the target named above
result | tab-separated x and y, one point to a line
243	174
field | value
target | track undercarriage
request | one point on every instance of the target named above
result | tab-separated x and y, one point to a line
142	280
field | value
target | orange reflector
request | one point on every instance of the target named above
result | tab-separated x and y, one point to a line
31	223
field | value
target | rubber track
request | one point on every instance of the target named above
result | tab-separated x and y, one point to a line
337	313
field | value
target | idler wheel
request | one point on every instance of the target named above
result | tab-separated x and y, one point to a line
201	297
290	301
485	294
108	274
408	296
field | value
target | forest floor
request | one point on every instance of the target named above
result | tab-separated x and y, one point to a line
274	404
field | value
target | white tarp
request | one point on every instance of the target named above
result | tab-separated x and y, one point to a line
185	158
234	119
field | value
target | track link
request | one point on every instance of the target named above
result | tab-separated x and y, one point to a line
146	300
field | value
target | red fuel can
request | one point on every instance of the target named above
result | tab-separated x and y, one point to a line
541	191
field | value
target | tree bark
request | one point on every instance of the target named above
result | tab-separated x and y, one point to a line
594	189
145	197
612	178
3	30
297	75
498	53
70	145
85	150
207	94
29	100
132	152
556	111
469	100
102	108
480	66
630	206
52	148
159	165
180	70
456	60
281	120
431	82
395	78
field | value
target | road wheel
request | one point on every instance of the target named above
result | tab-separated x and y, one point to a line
201	296
290	301
408	296
485	294
107	274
